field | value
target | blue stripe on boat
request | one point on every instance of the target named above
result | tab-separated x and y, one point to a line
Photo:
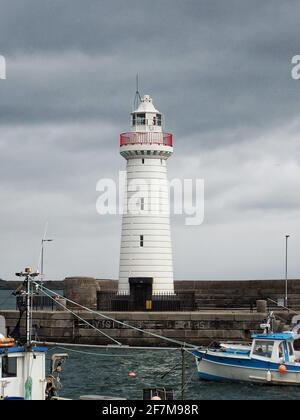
17	349
244	362
208	377
21	349
289	335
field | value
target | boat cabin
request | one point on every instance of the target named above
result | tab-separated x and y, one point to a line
277	347
22	373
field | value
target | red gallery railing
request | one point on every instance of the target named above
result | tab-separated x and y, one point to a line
131	138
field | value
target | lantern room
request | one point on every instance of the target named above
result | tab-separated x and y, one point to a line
146	117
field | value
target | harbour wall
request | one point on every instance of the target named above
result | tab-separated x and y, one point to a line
209	295
224	310
199	328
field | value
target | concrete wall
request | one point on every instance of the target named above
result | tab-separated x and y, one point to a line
82	290
200	328
191	327
230	294
241	294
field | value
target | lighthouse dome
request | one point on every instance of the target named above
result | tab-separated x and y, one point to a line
146	105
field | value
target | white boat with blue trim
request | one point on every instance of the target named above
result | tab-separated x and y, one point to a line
23	364
22	373
270	359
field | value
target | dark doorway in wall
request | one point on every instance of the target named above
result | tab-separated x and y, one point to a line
141	292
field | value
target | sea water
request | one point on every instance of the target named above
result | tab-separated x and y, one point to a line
105	372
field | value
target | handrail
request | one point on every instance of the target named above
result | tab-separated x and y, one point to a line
146	138
282	306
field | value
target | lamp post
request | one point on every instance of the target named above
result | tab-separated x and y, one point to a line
286	271
42	258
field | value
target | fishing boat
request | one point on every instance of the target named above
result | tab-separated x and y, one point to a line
23	365
270	359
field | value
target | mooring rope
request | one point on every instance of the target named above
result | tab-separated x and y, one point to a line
106	346
82	319
180	343
94	354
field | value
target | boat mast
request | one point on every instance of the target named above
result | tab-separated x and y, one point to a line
28	274
28	309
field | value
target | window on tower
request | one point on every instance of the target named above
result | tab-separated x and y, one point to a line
140	119
142	203
141	240
158	119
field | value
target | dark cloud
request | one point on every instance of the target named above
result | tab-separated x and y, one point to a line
221	73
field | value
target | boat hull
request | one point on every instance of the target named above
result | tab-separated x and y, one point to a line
235	370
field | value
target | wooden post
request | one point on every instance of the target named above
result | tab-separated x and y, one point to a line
183	379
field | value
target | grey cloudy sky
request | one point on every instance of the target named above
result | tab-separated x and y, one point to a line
220	71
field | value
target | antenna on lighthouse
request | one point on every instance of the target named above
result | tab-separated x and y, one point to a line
137	98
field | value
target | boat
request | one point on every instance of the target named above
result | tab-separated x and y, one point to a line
23	365
270	359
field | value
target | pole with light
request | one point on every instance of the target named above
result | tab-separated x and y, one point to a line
286	271
42	258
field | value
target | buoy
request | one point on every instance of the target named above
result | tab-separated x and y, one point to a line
282	369
6	341
269	376
156	397
132	374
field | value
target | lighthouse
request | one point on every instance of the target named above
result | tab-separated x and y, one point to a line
146	247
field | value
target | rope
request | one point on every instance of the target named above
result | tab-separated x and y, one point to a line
282	306
53	348
187	382
119	322
93	354
170	370
106	346
28	388
81	319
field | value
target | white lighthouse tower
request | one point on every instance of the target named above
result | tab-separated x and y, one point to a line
146	248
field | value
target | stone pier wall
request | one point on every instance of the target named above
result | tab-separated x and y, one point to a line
222	294
199	328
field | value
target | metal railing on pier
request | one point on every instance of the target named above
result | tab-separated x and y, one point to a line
39	303
160	302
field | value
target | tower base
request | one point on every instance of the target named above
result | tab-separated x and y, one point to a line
141	298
